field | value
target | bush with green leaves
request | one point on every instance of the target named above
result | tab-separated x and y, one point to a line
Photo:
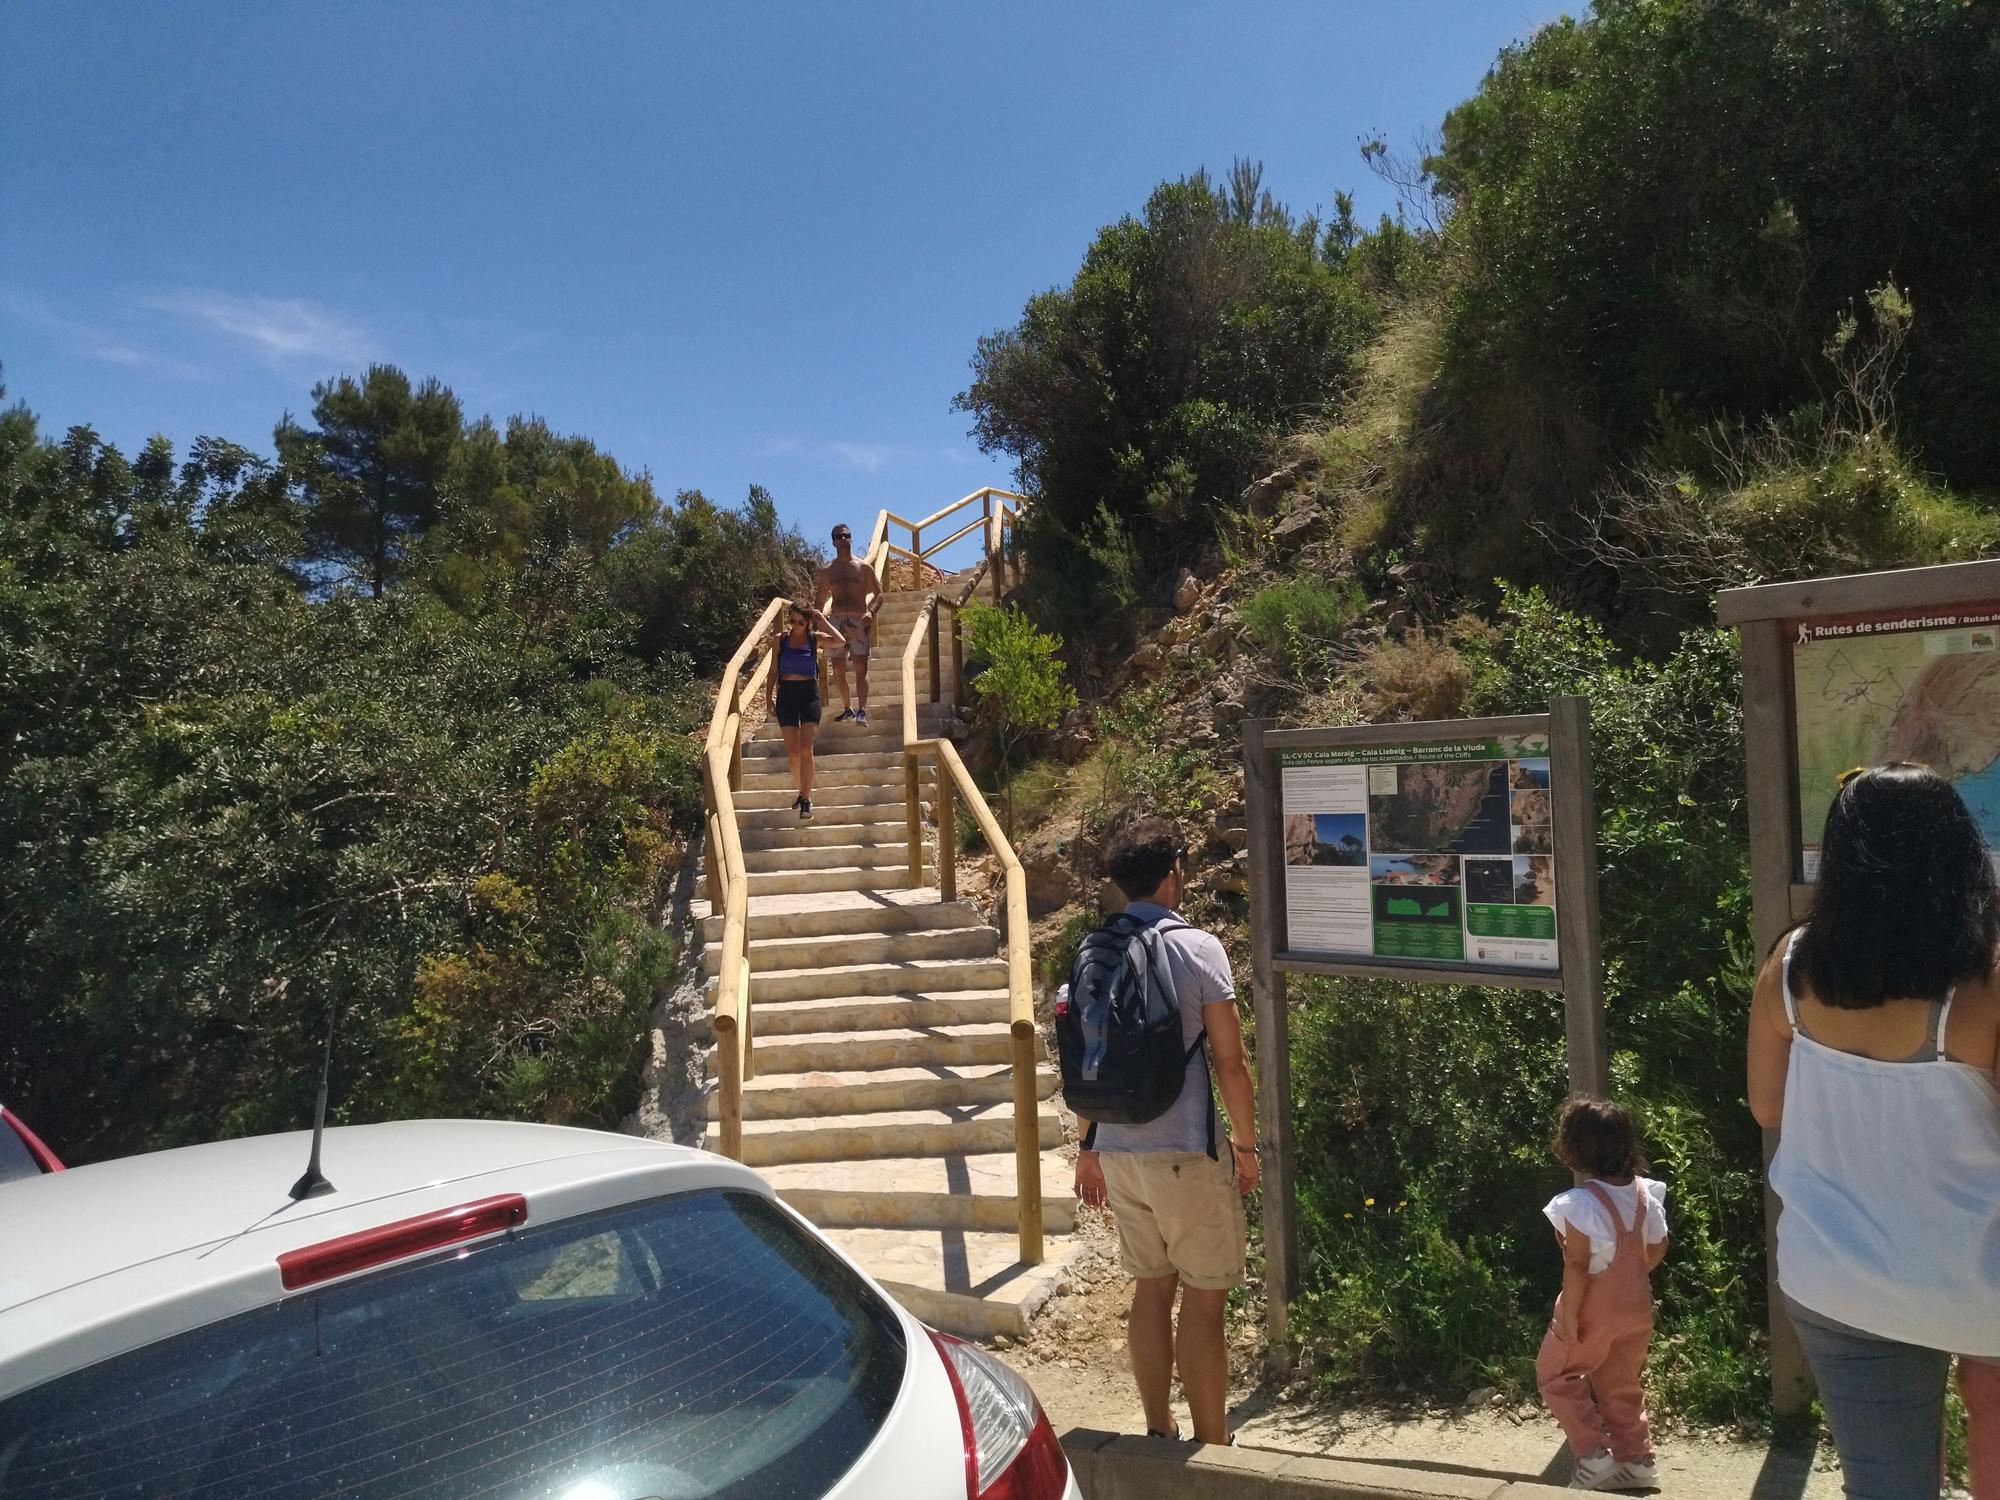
1299	620
229	810
1139	399
1019	687
1668	197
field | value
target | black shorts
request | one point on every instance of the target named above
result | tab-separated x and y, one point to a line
798	703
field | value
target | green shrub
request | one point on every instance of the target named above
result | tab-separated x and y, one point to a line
1302	616
1058	955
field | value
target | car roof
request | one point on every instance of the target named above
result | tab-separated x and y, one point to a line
203	1225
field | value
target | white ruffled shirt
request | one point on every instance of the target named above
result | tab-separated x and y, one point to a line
1579	1208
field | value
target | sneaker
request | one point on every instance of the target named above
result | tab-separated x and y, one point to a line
1174	1436
798	802
1633	1474
1594	1472
843	716
861	718
805	810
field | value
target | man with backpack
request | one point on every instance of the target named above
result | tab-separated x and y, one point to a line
1146	993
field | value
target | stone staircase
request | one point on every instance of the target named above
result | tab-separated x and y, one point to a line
880	1105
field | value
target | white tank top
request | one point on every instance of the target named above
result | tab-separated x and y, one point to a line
1890	1176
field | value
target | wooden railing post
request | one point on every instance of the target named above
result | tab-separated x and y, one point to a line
934	647
729	1090
913	807
957	660
1027	1108
711	857
947	827
749	1069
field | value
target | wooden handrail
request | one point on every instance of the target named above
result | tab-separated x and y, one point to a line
955	783
727	871
979	494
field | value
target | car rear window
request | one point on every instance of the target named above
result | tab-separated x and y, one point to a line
692	1346
16	1160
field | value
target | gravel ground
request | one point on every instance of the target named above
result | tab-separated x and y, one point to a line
1075	1358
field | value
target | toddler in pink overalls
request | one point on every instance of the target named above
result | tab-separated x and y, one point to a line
1613	1231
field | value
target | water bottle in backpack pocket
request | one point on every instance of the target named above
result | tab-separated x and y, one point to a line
1118	1029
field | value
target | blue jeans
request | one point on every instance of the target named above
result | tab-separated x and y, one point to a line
1885	1404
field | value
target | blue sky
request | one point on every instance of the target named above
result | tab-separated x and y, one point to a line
731	243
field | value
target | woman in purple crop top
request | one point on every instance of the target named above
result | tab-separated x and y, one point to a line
793	694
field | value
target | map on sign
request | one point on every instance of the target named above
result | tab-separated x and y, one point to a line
1439	852
1921	687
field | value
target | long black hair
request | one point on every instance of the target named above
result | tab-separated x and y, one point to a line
1907	904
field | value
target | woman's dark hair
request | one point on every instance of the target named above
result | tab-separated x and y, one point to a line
1906	905
1597	1138
1143	855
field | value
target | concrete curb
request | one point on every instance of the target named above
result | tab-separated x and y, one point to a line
1111	1467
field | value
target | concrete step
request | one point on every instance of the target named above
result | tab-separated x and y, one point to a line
832	826
881	736
827	857
924	1192
767	954
835	1096
828	763
871	1013
987	1042
778	796
907	1132
909	976
884	771
837	913
964	1282
844	878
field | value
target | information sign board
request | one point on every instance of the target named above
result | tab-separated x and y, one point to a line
1844	672
1907	684
1426	853
1441	851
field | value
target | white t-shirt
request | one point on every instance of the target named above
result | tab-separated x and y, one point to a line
1579	1208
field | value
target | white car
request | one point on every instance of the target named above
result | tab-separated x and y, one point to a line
476	1308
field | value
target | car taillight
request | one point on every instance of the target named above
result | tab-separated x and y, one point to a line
376	1247
1011	1452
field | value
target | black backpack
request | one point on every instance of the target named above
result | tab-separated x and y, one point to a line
1118	1034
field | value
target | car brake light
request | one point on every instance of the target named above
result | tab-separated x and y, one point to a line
1011	1452
376	1247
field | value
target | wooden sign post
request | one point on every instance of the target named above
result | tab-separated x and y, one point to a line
1840	672
1453	852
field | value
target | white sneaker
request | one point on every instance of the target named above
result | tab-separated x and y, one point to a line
1633	1474
1594	1472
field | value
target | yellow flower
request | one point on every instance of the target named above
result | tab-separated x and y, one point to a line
1367	1202
1347	1216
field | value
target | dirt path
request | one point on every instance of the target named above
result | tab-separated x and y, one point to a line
1076	1362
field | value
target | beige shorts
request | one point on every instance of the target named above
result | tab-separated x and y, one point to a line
1177	1214
854	630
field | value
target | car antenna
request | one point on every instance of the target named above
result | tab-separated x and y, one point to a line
314	1183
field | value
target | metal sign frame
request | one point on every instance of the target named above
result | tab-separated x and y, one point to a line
1766	618
1578	974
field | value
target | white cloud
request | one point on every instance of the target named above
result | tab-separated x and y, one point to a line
864	458
89	341
869	458
279	330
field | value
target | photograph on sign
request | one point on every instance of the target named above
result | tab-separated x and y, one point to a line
1920	686
1435	852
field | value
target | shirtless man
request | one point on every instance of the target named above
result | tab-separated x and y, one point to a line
847	592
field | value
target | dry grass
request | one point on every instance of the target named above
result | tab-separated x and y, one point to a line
1422	676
